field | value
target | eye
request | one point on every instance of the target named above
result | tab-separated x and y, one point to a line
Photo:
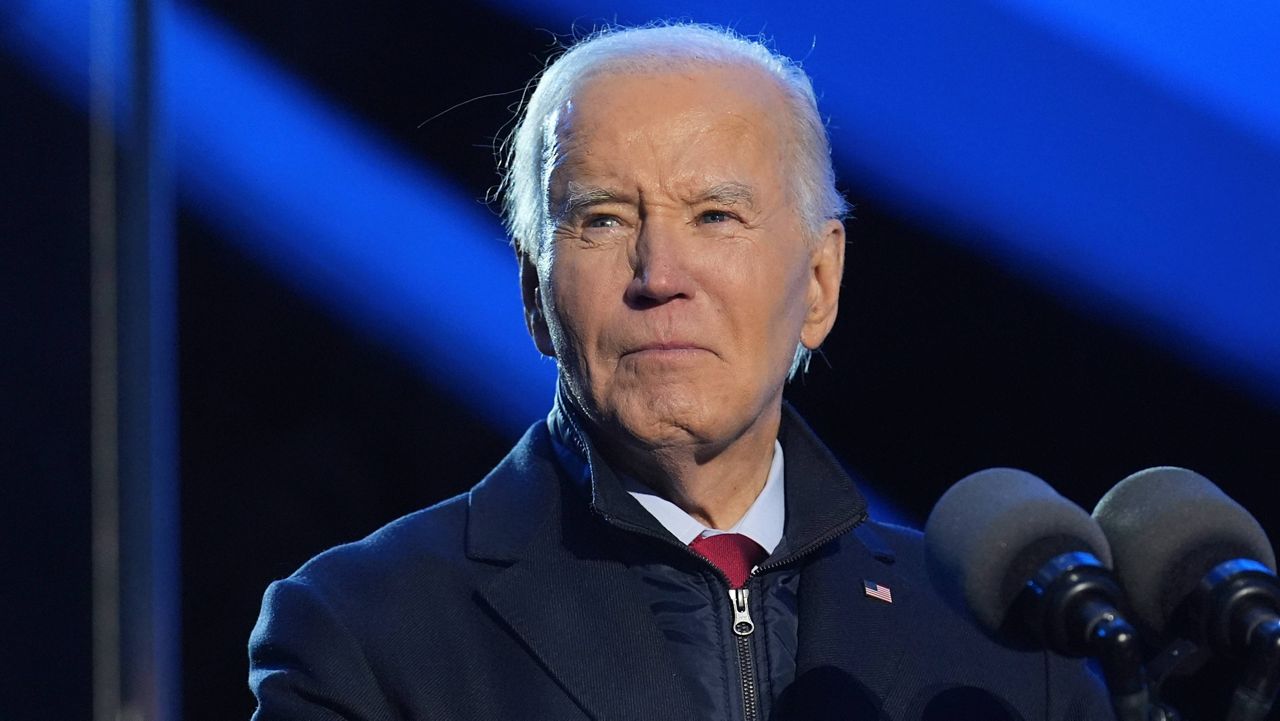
715	216
603	221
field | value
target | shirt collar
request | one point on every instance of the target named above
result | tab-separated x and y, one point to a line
763	522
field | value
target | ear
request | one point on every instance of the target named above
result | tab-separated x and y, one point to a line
531	294
826	266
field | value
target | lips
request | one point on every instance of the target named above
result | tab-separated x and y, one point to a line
666	349
666	345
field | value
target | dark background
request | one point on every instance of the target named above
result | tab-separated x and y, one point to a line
298	431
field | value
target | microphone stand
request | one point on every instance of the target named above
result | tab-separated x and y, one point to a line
1074	600
1240	609
1252	699
1114	643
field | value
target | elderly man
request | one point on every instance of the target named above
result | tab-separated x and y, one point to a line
672	542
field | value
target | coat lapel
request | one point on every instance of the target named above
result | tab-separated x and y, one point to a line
566	596
850	644
585	626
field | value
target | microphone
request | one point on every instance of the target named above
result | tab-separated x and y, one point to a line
965	703
1030	564
1195	562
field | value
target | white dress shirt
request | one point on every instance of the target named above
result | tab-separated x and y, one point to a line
763	522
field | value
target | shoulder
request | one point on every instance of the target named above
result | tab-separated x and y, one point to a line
425	540
338	630
440	552
902	546
366	591
898	537
1072	691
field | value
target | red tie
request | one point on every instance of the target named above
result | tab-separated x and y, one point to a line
732	553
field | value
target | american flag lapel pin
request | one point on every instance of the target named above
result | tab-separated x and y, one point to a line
876	591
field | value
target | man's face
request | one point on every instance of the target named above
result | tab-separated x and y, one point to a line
679	276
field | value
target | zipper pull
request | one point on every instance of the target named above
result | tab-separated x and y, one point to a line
742	623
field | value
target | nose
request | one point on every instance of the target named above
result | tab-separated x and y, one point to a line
660	262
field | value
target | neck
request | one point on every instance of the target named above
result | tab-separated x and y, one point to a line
713	483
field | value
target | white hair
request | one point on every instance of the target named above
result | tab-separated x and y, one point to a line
530	149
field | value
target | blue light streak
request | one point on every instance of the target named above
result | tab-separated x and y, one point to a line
341	215
1129	165
358	225
1228	62
1072	145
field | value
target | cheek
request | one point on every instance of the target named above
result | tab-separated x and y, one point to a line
774	291
775	304
576	306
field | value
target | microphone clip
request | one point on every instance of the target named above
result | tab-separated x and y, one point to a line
1072	605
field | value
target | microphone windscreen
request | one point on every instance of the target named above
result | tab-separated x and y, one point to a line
991	532
1168	527
968	703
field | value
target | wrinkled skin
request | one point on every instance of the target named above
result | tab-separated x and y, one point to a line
679	277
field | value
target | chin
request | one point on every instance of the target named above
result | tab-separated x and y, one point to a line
676	416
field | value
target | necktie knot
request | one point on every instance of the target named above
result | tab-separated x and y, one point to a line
733	553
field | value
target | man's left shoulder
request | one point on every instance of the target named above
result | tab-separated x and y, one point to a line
899	546
953	638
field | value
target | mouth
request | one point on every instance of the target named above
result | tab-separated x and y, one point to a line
666	350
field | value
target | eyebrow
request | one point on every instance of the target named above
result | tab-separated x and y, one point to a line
578	198
728	193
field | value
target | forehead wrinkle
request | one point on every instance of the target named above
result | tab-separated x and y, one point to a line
587	145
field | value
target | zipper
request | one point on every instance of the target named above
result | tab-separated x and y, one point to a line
822	541
743	627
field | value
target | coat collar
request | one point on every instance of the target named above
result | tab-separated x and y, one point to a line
541	518
822	499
